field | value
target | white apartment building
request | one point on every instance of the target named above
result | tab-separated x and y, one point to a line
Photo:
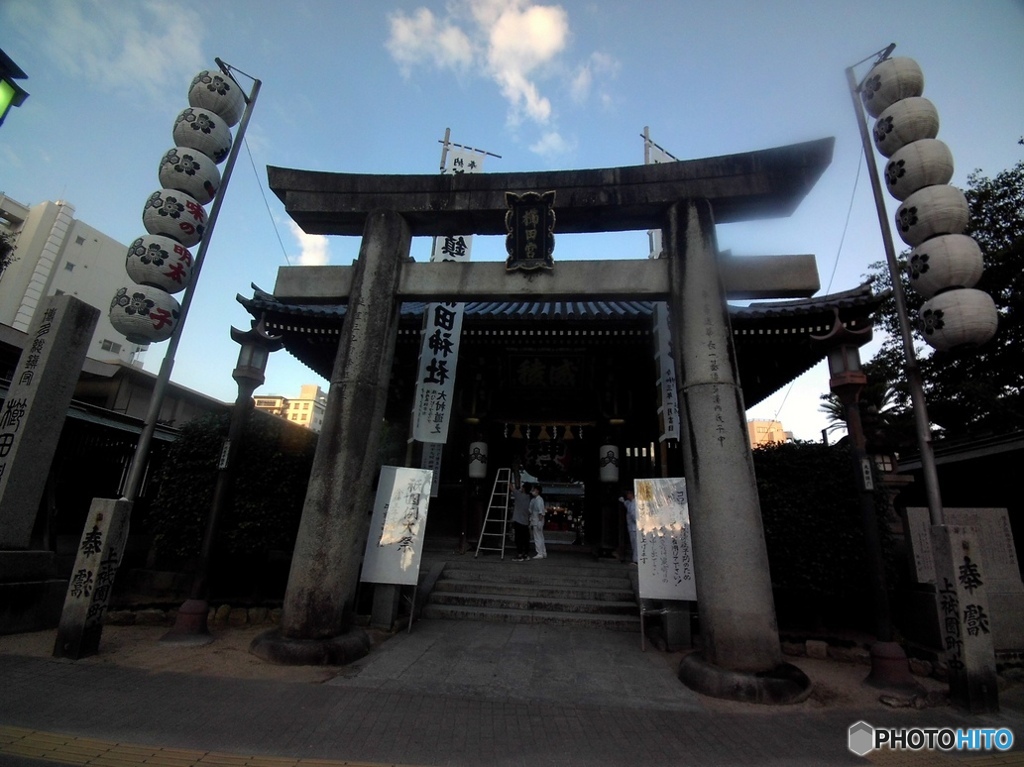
55	254
305	410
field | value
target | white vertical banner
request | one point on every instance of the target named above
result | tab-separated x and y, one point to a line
395	543
664	550
442	329
665	362
668	403
432	460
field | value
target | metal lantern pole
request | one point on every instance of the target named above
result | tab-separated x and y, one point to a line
910	367
256	345
138	466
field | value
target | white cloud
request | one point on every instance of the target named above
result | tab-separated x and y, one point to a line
149	47
314	247
553	145
510	40
583	81
421	38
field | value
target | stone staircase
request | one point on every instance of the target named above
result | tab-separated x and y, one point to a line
564	589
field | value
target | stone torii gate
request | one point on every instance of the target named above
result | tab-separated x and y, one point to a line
741	657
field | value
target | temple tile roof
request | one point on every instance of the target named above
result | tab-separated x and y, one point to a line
773	338
860	297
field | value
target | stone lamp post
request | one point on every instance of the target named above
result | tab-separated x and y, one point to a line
890	668
256	345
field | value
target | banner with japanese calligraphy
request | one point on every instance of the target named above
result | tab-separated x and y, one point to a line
395	543
668	405
664	551
442	329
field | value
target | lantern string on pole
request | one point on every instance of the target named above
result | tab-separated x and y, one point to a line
911	367
141	455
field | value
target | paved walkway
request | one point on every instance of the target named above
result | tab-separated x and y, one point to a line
449	693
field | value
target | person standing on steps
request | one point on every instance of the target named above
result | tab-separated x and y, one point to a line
521	521
537	521
630	503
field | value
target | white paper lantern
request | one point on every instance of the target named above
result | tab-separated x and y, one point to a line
959	318
218	93
176	215
203	130
144	314
947	261
608	463
930	211
888	82
927	162
906	121
159	261
189	170
477	460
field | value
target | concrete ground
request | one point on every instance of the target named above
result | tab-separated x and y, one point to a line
448	693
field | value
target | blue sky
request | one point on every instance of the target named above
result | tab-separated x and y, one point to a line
370	86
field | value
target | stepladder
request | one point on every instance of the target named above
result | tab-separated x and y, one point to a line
494	530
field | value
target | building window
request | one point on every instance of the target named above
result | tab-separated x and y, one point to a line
305	406
110	346
69	267
79	240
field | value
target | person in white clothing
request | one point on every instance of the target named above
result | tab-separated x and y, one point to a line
537	521
630	503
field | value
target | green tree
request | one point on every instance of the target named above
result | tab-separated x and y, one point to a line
7	256
970	391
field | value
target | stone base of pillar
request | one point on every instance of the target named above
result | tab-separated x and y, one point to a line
191	624
335	651
386	597
781	685
676	625
890	669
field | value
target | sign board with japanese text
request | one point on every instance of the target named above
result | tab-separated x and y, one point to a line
92	578
668	395
664	550
961	580
442	330
33	412
996	541
530	222
668	404
395	543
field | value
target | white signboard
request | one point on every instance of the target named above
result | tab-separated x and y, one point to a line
395	542
996	543
664	551
442	329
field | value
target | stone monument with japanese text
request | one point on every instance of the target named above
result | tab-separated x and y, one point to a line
31	420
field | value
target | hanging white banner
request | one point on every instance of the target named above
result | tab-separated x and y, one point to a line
668	404
668	393
442	329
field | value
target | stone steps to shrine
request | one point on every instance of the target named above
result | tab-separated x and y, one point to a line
568	591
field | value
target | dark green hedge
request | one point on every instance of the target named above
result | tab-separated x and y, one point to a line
811	510
273	465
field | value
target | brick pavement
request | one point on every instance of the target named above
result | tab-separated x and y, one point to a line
449	693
